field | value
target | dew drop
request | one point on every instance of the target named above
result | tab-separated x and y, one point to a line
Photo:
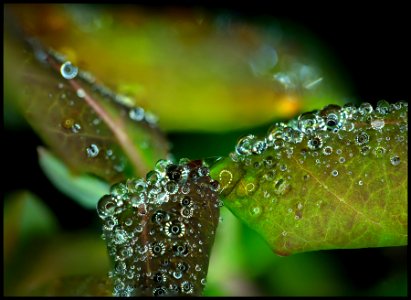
362	138
92	151
136	114
315	143
377	124
360	182
395	160
245	144
365	108
68	71
379	151
334	173
255	211
327	150
106	207
81	93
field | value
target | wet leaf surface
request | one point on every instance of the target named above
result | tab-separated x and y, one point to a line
194	69
331	179
159	231
77	117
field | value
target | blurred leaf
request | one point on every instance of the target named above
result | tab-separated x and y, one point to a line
338	179
168	221
75	254
308	274
83	126
84	189
25	218
85	285
226	257
195	70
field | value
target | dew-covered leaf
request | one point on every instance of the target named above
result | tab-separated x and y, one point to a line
84	189
331	179
196	70
82	121
159	231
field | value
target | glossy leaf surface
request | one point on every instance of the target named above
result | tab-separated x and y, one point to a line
331	179
159	231
194	69
78	118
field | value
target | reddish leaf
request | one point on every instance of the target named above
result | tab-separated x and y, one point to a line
78	118
160	231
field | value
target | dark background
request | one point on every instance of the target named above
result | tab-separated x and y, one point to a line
371	44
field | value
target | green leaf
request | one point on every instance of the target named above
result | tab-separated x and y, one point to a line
198	71
331	179
84	189
25	217
78	118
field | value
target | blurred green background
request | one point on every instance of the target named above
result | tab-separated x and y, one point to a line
46	234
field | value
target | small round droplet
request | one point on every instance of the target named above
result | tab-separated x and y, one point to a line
106	207
315	143
136	114
68	71
92	151
362	138
245	144
327	150
334	173
395	160
377	124
255	211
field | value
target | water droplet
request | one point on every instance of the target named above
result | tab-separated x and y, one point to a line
81	93
244	145
383	107
68	71
136	114
187	287
395	160
379	151
377	124
258	147
365	108
315	143
255	211
341	160
92	150
327	150
106	207
362	138
171	187
334	173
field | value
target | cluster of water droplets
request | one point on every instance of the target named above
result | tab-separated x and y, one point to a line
329	139
159	230
317	127
69	71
